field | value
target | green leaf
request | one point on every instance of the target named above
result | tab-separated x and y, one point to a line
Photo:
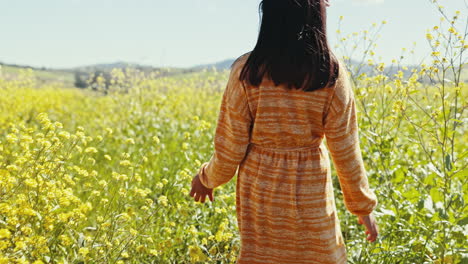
463	222
429	179
436	195
412	194
456	120
462	174
448	162
399	175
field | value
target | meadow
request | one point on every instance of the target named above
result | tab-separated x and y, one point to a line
93	177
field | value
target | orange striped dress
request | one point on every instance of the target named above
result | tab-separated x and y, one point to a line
273	138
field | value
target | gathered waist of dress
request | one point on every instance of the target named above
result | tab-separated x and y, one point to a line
285	149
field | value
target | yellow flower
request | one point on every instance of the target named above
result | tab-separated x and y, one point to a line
42	117
64	201
5	233
149	201
140	248
27	139
102	183
162	200
26	230
154	252
213	250
83	251
123	192
156	139
31	183
64	134
58	125
397	106
20	245
91	150
196	254
125	255
125	163
133	232
86	207
11	138
12	168
185	146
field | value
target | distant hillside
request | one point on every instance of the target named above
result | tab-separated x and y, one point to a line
124	65
222	65
353	64
226	64
78	76
85	75
43	75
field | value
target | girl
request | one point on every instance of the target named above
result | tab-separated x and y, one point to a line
282	100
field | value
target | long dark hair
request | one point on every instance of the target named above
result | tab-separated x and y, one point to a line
292	46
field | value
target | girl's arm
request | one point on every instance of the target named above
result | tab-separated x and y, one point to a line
342	138
232	134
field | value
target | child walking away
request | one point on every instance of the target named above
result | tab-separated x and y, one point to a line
285	103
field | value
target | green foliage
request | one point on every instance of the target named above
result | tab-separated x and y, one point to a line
94	178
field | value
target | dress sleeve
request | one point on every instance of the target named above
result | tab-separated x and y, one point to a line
342	139
232	135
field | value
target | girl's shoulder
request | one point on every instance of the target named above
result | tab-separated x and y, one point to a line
240	61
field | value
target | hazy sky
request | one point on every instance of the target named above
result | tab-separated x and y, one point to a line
183	33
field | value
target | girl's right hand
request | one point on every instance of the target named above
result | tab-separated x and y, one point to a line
372	230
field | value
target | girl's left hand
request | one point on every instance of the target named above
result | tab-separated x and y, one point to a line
200	191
